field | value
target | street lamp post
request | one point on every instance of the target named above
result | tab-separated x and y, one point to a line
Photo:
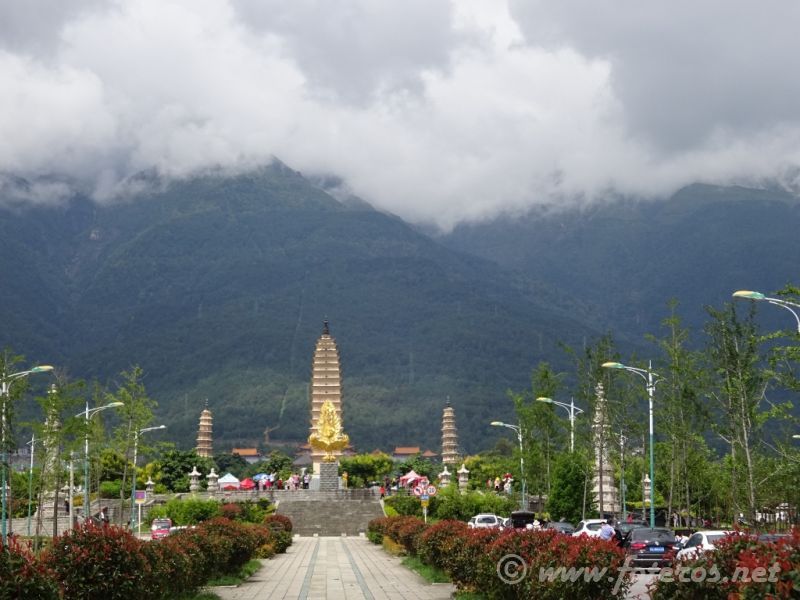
573	411
5	390
518	430
651	379
135	457
790	306
622	439
88	414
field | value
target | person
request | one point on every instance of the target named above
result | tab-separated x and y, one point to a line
103	516
606	531
66	506
383	492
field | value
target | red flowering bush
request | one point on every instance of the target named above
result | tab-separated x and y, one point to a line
231	511
274	520
461	563
172	570
22	576
376	529
408	533
98	562
236	543
740	567
438	541
547	564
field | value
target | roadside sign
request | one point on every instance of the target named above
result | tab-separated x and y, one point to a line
424	497
140	496
425	503
419	490
431	490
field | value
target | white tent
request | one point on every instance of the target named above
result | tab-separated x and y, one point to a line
228	480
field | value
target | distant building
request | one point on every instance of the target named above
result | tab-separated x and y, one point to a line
429	454
205	447
250	455
402	453
449	436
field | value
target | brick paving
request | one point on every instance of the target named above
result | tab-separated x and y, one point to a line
335	568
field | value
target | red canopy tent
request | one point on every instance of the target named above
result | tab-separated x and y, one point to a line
247	484
411	478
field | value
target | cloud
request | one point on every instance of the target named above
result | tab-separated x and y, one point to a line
437	111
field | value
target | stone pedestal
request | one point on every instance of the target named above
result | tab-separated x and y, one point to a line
328	476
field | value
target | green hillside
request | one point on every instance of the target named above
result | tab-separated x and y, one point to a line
218	287
628	258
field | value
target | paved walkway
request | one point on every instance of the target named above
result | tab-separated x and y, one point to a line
335	568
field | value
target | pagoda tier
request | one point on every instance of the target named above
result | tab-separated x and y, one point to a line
204	435
326	385
449	436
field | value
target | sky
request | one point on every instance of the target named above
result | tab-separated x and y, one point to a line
440	112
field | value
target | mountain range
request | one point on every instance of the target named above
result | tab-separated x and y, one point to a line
217	286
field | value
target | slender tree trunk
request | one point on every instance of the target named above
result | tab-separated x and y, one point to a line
671	483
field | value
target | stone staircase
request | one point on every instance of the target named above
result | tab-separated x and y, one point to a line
329	513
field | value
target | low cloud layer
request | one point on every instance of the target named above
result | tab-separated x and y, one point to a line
437	111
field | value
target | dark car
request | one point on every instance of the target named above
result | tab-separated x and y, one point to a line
561	527
625	526
650	547
522	519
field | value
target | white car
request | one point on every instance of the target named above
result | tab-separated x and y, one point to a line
700	541
485	521
590	527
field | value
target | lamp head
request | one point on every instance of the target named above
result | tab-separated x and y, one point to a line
748	294
114	405
612	365
41	369
543	399
497	423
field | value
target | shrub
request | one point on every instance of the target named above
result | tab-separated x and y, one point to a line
110	489
724	570
548	551
408	534
22	576
187	512
376	529
98	562
438	542
398	528
239	542
462	561
231	511
172	572
273	521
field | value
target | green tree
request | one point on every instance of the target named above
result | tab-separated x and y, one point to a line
230	463
681	415
135	414
541	428
364	468
571	497
739	388
176	465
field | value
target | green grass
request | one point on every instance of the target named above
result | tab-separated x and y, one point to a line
246	571
427	572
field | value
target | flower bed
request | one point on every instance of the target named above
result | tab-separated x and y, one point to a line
511	563
109	562
740	567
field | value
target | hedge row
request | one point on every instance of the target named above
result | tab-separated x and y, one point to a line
510	563
739	567
109	562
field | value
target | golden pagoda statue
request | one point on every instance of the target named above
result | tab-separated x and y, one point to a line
329	436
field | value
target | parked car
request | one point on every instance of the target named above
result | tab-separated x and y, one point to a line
625	526
700	541
522	519
160	528
590	527
650	547
485	521
561	527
